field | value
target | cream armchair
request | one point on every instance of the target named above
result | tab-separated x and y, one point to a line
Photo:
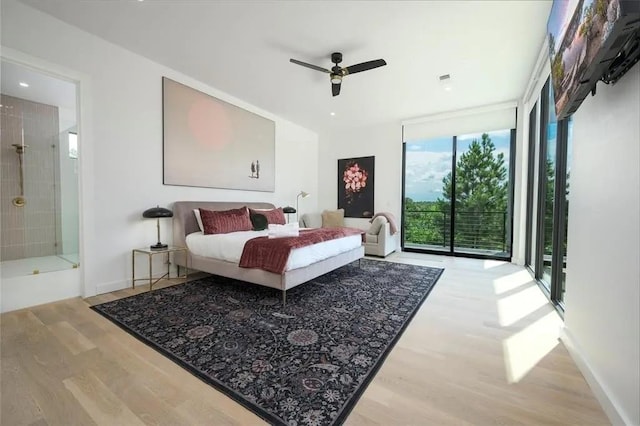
378	240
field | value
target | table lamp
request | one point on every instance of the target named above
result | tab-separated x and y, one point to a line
156	213
303	195
288	210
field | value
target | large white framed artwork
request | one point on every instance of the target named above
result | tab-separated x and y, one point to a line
211	143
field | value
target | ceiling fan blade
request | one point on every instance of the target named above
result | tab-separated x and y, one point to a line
364	66
335	89
313	67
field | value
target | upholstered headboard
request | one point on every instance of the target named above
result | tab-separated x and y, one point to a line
184	221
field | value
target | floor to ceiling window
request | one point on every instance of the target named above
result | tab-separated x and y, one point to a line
427	220
530	248
548	175
548	196
457	194
482	187
565	216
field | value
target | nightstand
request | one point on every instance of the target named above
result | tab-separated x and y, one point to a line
150	253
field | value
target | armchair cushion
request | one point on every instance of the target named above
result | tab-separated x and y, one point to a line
371	238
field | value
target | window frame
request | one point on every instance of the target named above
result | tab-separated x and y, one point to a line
450	250
554	290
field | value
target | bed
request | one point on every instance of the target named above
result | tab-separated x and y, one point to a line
184	224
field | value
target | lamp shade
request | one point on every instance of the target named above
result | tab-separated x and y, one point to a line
155	212
288	209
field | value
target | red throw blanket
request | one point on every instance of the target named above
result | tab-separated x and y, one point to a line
272	254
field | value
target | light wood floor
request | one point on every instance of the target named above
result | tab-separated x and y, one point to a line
482	350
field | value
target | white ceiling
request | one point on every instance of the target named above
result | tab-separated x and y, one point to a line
42	88
243	48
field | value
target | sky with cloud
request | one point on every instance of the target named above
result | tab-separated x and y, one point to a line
429	161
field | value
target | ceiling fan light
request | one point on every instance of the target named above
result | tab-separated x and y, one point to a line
336	79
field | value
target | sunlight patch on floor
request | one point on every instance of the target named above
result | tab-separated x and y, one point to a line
488	264
517	306
511	281
524	349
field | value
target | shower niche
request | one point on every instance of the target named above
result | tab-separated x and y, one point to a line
38	157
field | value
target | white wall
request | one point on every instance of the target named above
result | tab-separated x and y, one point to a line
121	143
384	141
520	187
602	320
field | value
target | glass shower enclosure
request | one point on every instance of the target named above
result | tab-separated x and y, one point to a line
38	157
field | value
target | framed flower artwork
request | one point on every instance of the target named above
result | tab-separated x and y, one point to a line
355	186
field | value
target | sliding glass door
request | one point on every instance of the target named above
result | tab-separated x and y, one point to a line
548	168
427	216
565	215
548	196
482	184
457	195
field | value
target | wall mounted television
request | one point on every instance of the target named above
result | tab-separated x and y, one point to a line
590	41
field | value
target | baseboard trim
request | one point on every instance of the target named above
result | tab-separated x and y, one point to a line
613	410
112	286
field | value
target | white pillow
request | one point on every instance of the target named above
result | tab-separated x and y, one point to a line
196	212
279	231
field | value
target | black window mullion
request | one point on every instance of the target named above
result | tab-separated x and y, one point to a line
512	175
454	150
531	161
404	173
559	210
542	182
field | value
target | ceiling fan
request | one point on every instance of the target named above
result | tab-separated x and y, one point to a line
337	72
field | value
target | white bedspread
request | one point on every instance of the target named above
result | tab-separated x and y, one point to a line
229	247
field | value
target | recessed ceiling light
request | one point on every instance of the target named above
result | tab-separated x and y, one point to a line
23	84
332	113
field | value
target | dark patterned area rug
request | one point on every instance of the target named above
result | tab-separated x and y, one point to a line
303	364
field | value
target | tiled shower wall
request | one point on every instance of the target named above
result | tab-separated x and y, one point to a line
32	230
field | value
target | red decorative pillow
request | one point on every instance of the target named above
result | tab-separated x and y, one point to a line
225	221
274	217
